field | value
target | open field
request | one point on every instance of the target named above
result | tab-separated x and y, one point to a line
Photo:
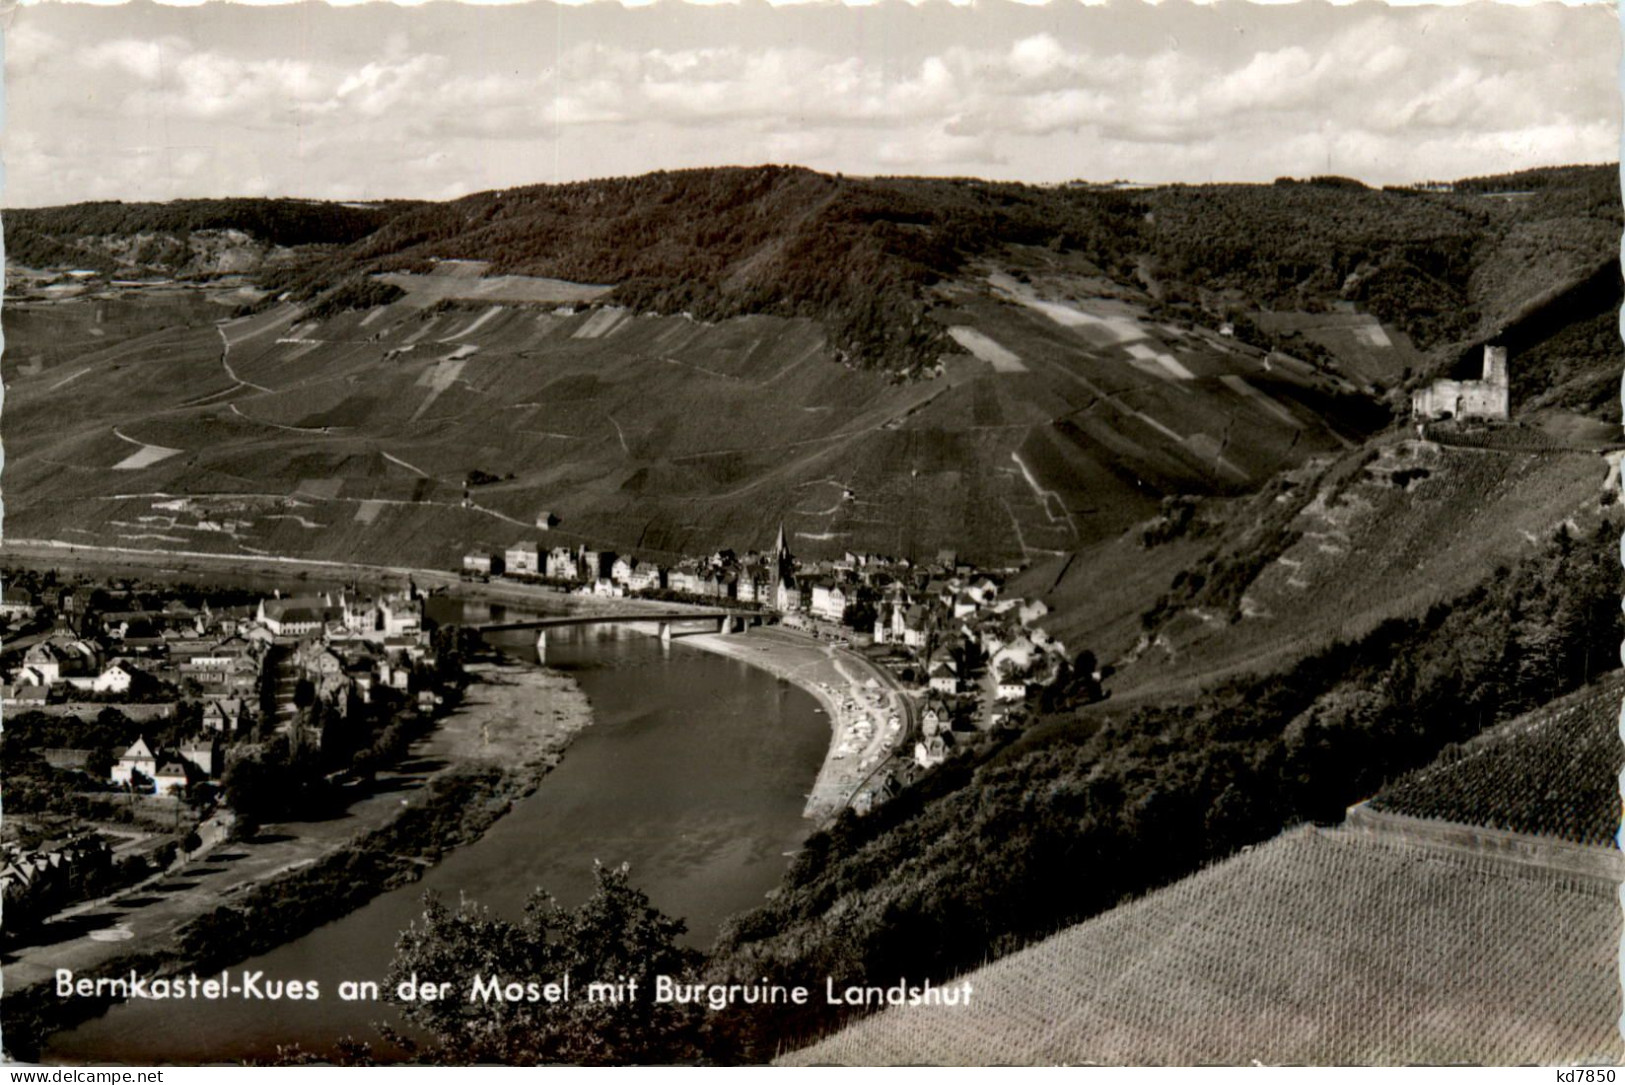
465	280
655	434
1320	947
1369	351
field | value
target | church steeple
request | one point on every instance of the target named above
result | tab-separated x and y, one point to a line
781	555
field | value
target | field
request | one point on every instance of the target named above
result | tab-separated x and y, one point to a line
352	435
1319	947
1551	773
466	280
1369	352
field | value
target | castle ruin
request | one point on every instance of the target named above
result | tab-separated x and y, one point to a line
1486	398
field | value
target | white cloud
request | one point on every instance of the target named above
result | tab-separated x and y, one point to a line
1040	97
142	59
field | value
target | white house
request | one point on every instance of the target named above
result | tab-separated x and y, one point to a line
139	758
943	678
561	564
1012	690
202	752
931	752
400	617
224	715
171	774
1032	611
647	576
116	678
686	581
524	557
829	601
16	603
934	718
297	616
1015	656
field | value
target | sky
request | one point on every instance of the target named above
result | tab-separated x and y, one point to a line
139	101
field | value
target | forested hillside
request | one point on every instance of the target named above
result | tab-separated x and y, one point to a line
861	254
97	236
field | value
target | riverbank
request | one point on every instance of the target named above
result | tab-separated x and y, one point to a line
860	700
493	749
274	570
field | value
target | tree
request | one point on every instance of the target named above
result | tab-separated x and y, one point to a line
99	765
614	937
274	783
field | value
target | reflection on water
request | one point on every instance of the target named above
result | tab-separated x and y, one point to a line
694	771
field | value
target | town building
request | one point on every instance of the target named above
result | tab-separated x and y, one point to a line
524	559
561	564
138	764
298	616
17	604
647	576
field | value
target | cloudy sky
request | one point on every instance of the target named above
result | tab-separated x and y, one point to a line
139	101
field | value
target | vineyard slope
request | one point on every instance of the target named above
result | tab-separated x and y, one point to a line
1320	947
1553	773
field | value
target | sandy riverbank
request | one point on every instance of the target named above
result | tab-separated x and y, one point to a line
859	698
513	718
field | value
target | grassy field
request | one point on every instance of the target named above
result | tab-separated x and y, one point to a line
1317	948
1369	351
656	434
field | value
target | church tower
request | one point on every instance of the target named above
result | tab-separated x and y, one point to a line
787	595
781	555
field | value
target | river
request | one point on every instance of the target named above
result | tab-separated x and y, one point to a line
694	770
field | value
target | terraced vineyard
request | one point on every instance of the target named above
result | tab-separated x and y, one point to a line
352	432
1551	773
1320	947
1387	531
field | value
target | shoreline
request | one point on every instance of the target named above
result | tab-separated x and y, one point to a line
857	697
56	553
491	752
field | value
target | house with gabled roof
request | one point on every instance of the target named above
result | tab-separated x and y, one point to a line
138	763
943	677
298	616
170	775
202	752
224	716
17	603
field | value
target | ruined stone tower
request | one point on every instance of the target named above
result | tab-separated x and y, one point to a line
1489	398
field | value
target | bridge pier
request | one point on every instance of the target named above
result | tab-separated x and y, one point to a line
665	632
541	646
